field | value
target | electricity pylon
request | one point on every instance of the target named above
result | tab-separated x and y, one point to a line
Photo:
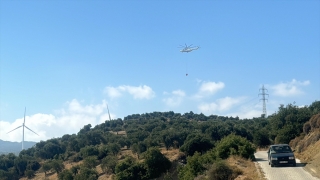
264	94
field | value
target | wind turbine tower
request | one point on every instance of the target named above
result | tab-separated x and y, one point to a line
23	126
264	94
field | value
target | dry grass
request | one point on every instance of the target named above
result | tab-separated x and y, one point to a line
248	168
172	154
311	156
307	147
122	133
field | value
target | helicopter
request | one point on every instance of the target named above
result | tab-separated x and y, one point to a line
187	48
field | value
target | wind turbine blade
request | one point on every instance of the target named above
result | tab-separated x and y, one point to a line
109	113
31	130
14	129
24	117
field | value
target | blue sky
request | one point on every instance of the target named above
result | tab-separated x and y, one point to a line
65	61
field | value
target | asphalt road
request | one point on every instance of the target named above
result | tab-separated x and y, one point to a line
284	172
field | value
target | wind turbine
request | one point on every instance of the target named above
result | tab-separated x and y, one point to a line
23	125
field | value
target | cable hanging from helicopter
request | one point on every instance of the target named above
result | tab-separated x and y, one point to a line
188	49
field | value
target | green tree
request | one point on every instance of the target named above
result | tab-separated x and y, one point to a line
46	167
87	174
261	138
129	169
156	162
65	175
139	148
196	143
114	148
89	151
30	174
21	165
57	165
235	145
75	169
90	162
193	168
109	163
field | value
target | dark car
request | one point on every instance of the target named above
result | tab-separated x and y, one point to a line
281	154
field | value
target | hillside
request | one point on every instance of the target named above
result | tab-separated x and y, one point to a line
159	144
14	147
308	144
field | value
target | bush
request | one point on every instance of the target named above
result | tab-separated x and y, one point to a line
129	169
29	173
196	143
65	175
261	138
156	162
109	163
318	121
46	167
313	122
222	171
76	158
87	174
90	162
235	145
57	165
193	168
89	151
287	133
306	127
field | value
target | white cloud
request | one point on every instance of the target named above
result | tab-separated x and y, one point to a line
76	107
209	88
292	88
112	92
66	121
175	99
220	105
138	92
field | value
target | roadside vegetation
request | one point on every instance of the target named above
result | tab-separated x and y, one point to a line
307	145
161	145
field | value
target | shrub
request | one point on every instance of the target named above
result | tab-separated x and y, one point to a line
65	175
313	122
90	162
193	168
156	162
46	167
29	173
222	171
57	165
129	169
261	138
89	151
235	145
318	120
306	127
109	163
76	158
87	174
195	143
